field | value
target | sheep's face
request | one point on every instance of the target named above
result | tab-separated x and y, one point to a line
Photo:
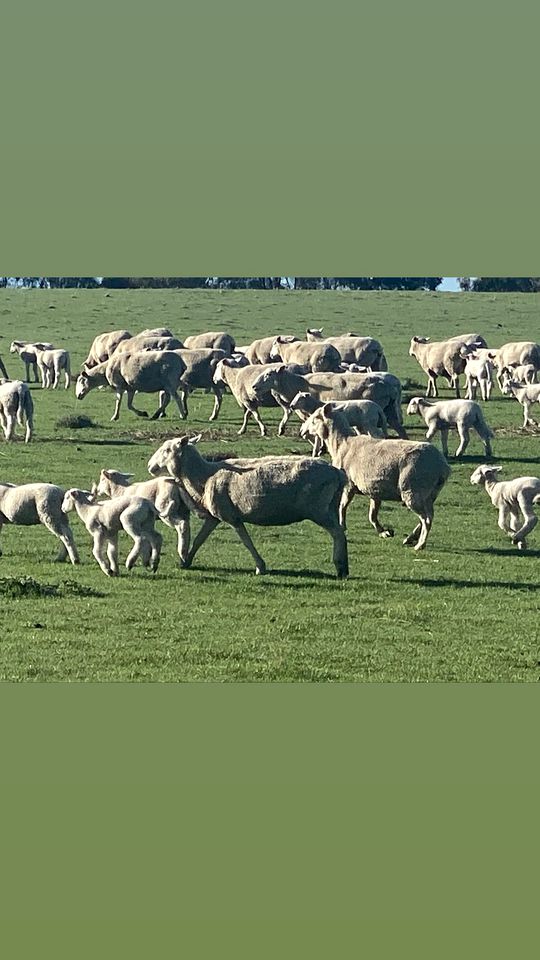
485	472
413	406
300	401
166	460
275	350
68	503
509	383
15	344
82	386
218	375
264	383
414	343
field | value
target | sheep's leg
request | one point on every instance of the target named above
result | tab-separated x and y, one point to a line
259	422
208	526
1	525
9	427
283	422
27	367
112	555
130	395
373	516
530	521
340	556
156	540
218	396
164	400
119	395
504	520
348	493
67	375
444	440
183	532
99	551
413	537
260	566
136	551
455	384
464	437
426	521
29	428
487	443
65	535
55	377
247	415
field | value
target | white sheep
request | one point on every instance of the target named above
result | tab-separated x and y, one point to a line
519	352
28	354
211	341
51	363
364	416
460	415
28	504
478	373
104	346
512	498
526	394
524	372
162	491
359	351
318	356
443	358
135	515
16	406
130	373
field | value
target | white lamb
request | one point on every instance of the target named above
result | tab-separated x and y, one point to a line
104	521
460	415
16	406
479	373
512	498
51	363
526	394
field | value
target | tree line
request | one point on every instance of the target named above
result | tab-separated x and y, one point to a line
470	284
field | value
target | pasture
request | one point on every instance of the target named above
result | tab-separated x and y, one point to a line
464	609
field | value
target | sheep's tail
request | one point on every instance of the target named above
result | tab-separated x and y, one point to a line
487	431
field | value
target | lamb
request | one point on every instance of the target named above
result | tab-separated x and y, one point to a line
129	373
442	358
28	504
28	354
402	470
163	492
364	351
363	416
104	521
511	497
526	394
285	384
104	346
478	373
139	343
319	357
519	352
16	406
240	380
268	492
212	341
51	363
460	415
524	372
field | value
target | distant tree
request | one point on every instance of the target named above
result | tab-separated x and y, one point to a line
465	283
506	284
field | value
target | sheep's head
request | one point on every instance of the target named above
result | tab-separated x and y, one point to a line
314	333
16	345
166	460
71	497
106	477
414	405
218	375
510	383
265	382
485	473
303	401
82	386
274	349
414	342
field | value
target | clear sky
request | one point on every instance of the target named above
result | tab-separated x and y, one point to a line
449	283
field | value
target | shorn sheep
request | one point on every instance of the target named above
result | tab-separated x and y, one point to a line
104	521
269	492
518	352
16	406
362	415
28	353
157	371
51	364
402	470
526	394
460	415
138	343
240	379
28	504
364	351
162	491
211	341
319	357
104	345
443	358
512	498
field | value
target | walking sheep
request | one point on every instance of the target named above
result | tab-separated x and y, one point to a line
28	354
159	371
28	504
512	498
163	492
199	375
240	379
104	521
526	394
364	351
139	343
363	416
318	357
211	341
460	415
478	373
402	470
104	346
442	359
260	350
51	363
269	492
16	406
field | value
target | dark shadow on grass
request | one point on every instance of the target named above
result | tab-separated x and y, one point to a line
92	443
506	552
474	584
250	572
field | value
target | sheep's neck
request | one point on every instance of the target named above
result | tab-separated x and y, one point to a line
336	442
491	488
83	508
195	471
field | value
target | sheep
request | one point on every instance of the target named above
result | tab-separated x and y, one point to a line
138	343
285	384
511	497
319	357
51	363
16	406
211	341
28	354
519	352
524	372
104	346
460	415
135	515
526	394
404	470
199	373
259	350
478	373
28	504
363	416
155	332
164	494
240	380
364	351
268	492
129	373
443	358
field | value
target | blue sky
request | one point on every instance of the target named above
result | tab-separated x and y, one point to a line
449	283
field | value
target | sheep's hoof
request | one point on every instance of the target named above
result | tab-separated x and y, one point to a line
185	564
387	533
260	570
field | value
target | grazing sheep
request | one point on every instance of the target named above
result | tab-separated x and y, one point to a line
16	406
443	358
460	415
362	415
240	380
403	470
51	363
478	373
268	492
163	492
139	343
28	504
131	373
104	521
519	352
259	350
362	351
104	346
28	354
526	394
319	357
285	384
211	341
511	497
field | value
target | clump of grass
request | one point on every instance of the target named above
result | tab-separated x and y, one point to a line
27	588
76	422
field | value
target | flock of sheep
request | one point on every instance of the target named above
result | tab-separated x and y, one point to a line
341	390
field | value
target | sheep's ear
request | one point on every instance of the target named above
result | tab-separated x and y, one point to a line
496	469
196	439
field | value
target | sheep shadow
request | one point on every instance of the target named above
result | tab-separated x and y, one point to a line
506	552
92	443
249	571
474	584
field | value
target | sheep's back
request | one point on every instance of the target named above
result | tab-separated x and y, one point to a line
28	503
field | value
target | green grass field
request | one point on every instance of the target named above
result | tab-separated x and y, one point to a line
464	609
